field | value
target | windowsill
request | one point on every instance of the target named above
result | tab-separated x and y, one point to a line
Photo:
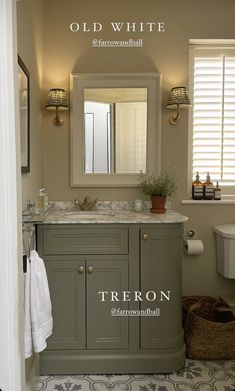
229	200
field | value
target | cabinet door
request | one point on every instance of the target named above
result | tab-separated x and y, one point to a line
161	258
105	331
67	289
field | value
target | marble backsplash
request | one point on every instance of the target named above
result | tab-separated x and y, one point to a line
110	205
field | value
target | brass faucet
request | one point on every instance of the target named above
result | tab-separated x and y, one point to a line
87	204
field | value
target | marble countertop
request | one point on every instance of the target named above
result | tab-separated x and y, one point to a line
113	216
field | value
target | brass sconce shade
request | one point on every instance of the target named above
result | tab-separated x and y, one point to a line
178	99
57	99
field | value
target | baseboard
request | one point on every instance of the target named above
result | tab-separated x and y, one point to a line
53	363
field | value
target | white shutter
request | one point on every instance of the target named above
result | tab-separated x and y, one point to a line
213	114
229	121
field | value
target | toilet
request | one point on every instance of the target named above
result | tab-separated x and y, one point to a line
225	248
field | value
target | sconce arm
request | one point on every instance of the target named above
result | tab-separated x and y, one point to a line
58	120
174	119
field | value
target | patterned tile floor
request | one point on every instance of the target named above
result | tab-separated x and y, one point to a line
196	376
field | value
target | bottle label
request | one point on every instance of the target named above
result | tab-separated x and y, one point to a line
209	192
197	192
217	194
198	188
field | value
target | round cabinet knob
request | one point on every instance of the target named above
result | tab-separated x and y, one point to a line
90	269
145	236
81	269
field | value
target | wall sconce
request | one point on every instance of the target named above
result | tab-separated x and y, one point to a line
57	99
178	99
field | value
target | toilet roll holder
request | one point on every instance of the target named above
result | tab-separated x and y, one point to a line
192	246
190	233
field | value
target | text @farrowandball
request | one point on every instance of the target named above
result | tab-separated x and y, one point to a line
129	312
128	43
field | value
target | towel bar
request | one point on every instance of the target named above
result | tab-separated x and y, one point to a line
30	244
24	263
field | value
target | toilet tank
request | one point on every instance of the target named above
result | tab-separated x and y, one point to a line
225	247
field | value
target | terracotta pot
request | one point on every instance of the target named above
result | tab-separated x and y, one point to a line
158	204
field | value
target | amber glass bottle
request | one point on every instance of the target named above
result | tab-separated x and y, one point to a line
197	189
217	193
208	188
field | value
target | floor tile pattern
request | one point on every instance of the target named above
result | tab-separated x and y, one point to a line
195	376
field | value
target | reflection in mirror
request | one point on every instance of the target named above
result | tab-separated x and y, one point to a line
115	130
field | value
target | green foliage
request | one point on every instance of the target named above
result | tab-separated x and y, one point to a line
163	185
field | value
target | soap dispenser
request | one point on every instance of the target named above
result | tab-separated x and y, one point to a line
197	189
208	188
40	199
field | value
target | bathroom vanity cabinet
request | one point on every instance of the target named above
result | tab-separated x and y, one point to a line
96	273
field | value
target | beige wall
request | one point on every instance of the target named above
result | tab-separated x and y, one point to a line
29	21
32	373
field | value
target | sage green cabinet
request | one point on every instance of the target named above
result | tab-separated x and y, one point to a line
105	331
67	287
83	260
161	255
81	319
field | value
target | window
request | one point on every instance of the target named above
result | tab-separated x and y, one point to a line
212	90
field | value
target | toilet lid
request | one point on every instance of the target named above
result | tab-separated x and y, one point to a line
225	230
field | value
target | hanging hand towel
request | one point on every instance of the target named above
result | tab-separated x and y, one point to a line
40	303
28	343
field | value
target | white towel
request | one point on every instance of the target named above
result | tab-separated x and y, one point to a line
28	342
40	303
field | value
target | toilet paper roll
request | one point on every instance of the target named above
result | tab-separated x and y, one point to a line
193	247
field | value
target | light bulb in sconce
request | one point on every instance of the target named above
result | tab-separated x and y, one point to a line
178	99
57	99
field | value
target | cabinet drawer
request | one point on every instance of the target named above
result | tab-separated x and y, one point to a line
82	240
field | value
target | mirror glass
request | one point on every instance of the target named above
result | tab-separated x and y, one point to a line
115	130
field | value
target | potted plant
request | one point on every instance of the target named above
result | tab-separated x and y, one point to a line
158	188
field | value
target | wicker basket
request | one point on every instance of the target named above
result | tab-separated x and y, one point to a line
206	338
